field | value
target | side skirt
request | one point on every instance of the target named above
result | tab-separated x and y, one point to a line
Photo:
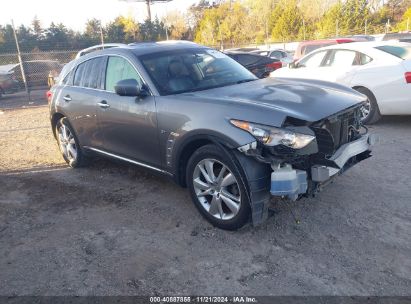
127	160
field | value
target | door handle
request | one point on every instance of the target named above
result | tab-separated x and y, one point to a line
67	98
103	104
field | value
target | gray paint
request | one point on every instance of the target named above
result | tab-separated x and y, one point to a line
141	128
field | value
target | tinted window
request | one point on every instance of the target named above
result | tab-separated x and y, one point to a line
277	54
118	69
363	59
78	76
397	51
89	73
247	59
312	61
193	70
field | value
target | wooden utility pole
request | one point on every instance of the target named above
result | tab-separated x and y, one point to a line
148	3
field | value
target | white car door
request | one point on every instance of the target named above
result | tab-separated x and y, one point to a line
341	65
309	67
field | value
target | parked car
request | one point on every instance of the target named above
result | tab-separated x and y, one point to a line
243	49
398	37
282	55
379	70
307	47
8	83
193	113
260	66
37	72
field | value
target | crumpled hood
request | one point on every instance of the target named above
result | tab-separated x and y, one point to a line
309	100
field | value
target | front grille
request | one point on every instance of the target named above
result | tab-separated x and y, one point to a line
337	130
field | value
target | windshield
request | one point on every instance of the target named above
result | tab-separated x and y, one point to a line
397	51
193	70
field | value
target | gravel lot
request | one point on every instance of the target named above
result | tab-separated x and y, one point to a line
110	229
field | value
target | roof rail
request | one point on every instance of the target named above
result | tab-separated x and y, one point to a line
98	48
142	43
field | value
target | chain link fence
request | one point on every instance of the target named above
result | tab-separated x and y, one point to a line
40	68
37	73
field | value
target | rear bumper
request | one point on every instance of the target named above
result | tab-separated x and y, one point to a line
291	183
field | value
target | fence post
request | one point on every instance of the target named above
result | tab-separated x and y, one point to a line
23	74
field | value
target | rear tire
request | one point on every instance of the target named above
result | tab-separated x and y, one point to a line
372	107
217	188
69	144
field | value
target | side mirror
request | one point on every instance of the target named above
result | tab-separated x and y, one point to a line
130	87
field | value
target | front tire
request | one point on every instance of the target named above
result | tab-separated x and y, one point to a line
69	144
370	113
217	188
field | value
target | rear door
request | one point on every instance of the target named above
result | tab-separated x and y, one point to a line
78	100
128	124
341	65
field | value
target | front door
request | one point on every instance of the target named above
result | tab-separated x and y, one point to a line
127	124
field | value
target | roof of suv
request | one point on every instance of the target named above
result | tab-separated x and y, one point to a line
154	47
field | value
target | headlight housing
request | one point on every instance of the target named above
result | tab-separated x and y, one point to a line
271	136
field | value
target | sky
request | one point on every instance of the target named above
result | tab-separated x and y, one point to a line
75	13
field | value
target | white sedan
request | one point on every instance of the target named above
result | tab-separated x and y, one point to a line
381	71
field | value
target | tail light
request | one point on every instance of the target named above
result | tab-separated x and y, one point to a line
49	95
275	65
408	77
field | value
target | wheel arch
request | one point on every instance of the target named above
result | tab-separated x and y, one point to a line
356	87
189	146
54	119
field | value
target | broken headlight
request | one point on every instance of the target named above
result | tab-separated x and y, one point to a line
271	136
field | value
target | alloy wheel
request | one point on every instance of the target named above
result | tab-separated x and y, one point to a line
217	189
67	143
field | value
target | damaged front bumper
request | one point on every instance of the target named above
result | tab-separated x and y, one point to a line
292	183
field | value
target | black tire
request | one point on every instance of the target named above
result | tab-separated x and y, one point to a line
222	158
374	114
80	159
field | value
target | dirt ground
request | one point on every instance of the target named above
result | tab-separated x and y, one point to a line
111	229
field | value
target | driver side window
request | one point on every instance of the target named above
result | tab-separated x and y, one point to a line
312	61
118	69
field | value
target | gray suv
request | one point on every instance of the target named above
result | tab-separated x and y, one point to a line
194	114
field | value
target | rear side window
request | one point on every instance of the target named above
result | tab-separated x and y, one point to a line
89	74
403	52
247	59
78	76
277	55
118	69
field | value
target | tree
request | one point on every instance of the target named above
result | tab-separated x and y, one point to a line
288	21
37	29
115	31
176	25
93	30
405	23
329	23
